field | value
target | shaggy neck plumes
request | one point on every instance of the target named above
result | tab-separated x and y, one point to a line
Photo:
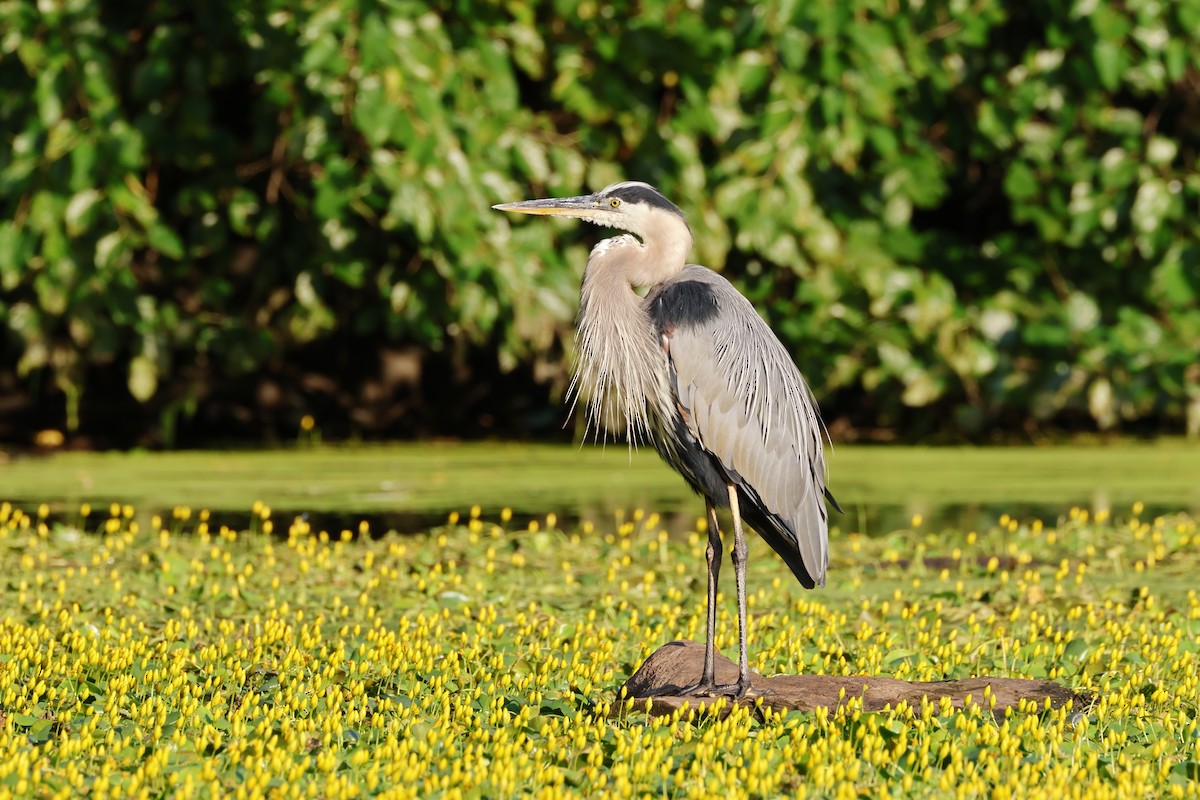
621	367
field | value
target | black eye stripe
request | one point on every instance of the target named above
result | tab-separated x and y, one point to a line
640	193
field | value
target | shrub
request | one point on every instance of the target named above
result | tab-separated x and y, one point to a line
962	217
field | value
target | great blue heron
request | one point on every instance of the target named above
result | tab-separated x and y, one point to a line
694	369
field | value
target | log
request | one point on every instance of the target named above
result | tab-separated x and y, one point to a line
678	664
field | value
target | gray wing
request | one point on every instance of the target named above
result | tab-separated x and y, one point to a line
744	401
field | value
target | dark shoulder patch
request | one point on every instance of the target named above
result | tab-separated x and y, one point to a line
683	304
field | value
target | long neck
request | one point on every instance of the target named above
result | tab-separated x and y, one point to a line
655	259
621	370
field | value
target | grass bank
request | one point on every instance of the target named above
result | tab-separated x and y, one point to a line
590	481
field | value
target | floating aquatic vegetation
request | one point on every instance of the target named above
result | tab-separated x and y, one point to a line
159	656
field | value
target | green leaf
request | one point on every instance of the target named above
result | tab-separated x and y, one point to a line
143	378
49	99
1083	314
1021	182
1110	62
78	212
165	241
922	388
110	250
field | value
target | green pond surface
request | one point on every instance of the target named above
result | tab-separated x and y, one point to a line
413	485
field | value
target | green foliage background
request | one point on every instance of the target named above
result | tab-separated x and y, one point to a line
963	217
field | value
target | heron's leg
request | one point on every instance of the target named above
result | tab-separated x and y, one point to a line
708	679
739	573
714	569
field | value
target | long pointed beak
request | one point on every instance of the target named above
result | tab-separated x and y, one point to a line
581	207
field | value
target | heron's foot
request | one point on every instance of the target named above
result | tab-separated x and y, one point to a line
734	691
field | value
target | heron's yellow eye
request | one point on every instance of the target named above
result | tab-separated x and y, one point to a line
615	202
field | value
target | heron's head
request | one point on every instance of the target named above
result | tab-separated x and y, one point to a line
630	206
